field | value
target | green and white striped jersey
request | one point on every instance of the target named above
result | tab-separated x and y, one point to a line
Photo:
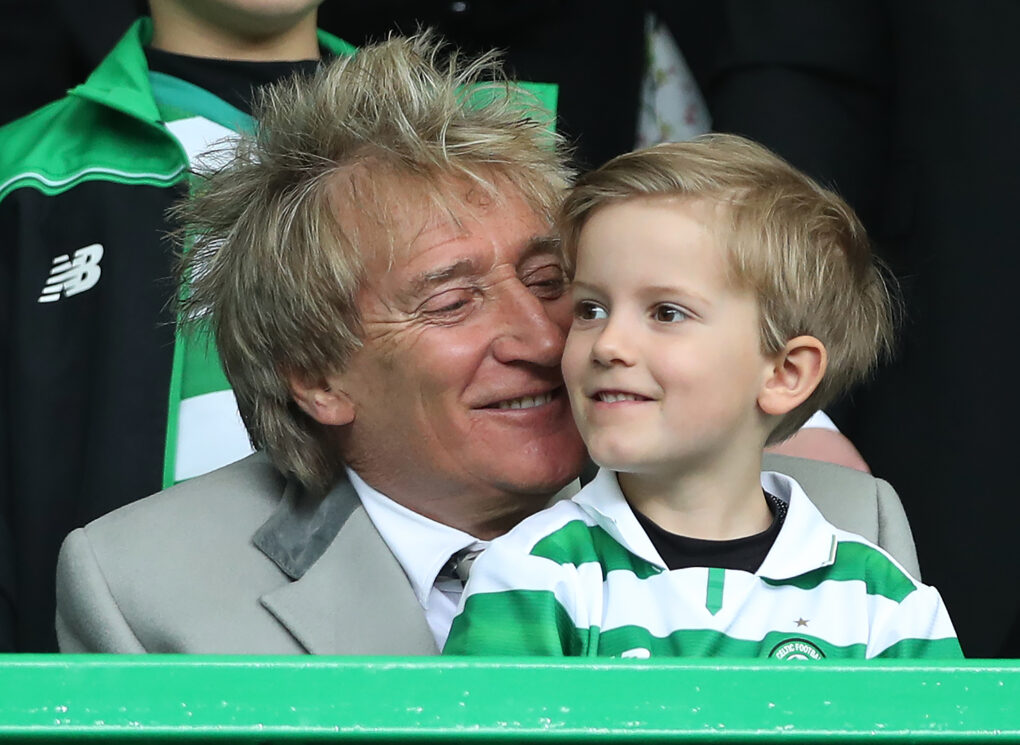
583	579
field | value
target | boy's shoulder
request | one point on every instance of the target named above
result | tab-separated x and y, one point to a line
556	522
853	501
858	559
810	551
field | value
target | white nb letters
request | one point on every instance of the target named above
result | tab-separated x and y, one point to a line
70	276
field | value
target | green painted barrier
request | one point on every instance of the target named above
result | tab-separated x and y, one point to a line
47	698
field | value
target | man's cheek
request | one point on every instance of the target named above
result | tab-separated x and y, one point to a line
559	311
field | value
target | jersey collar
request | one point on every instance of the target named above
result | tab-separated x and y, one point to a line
121	81
806	541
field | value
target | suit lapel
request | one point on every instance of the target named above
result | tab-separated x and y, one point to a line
349	597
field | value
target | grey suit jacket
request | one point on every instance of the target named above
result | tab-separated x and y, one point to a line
240	561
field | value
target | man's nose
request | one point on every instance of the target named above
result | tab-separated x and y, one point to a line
527	330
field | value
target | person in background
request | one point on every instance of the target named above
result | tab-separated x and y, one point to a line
102	400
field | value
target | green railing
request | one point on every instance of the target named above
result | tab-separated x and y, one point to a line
264	699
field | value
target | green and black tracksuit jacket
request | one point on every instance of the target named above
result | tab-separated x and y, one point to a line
87	332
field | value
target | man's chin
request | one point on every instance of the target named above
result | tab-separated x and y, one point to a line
525	499
533	479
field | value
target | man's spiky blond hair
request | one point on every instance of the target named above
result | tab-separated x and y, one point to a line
281	234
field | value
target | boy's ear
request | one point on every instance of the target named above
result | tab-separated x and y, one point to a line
322	400
797	369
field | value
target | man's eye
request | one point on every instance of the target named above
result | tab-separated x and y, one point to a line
587	310
447	302
668	313
547	283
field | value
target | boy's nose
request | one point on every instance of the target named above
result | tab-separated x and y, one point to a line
613	346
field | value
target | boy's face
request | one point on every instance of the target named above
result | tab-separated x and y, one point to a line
663	361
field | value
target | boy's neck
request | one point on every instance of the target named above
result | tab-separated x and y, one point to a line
717	501
235	36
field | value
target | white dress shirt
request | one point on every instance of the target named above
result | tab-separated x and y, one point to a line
423	546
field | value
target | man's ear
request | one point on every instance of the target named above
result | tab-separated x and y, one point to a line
797	369
322	400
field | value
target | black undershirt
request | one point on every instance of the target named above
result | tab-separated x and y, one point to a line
232	80
746	554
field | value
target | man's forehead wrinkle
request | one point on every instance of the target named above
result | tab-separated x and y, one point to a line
442	217
357	201
381	208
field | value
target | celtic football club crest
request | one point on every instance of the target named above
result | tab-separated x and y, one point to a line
796	649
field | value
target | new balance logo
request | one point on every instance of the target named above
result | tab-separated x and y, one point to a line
69	276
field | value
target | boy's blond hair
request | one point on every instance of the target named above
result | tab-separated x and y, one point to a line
800	248
281	234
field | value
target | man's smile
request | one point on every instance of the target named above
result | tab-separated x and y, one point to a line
525	401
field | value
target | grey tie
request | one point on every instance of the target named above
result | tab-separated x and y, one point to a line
459	565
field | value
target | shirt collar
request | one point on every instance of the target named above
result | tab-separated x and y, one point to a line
805	542
603	502
420	544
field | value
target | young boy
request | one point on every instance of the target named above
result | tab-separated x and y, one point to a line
720	297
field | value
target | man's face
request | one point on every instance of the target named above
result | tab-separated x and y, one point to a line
663	362
457	391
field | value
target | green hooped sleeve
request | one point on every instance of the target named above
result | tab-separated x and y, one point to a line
515	622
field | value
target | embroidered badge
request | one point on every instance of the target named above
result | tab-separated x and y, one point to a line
796	649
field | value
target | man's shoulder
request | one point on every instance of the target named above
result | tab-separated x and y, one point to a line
848	499
853	501
821	473
178	571
235	499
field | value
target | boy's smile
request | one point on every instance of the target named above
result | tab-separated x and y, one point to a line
663	362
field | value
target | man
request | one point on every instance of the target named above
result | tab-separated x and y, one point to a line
377	269
101	402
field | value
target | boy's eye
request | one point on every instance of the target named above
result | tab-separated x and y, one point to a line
587	310
668	313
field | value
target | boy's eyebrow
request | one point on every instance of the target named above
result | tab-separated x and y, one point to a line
579	285
652	290
677	290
